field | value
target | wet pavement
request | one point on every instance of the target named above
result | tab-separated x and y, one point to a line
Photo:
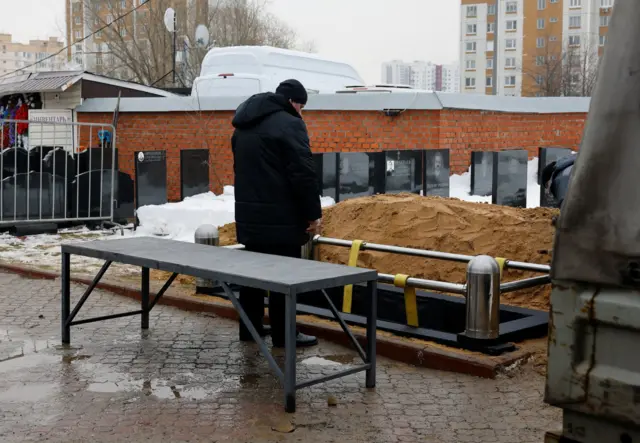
188	379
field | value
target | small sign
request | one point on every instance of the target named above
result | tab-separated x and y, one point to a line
140	157
51	127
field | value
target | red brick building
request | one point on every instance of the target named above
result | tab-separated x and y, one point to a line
346	122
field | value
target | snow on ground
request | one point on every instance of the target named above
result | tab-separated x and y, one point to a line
43	251
179	221
459	186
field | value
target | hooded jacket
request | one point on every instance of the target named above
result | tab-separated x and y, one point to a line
276	190
558	176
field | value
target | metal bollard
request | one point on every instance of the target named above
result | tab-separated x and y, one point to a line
206	235
483	299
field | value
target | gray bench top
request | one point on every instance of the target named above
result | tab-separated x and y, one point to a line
268	272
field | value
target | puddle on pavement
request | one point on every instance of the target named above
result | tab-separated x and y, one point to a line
153	388
18	352
31	393
103	380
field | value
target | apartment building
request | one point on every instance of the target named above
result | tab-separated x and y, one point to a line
422	75
92	49
545	47
18	57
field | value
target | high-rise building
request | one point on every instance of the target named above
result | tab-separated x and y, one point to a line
22	57
545	47
421	75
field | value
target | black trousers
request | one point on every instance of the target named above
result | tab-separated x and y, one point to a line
252	300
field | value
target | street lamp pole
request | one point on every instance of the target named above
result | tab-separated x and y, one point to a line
495	49
175	30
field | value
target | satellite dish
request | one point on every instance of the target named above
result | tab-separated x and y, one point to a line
202	36
169	19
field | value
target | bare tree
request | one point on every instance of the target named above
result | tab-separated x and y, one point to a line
566	68
543	69
139	47
580	68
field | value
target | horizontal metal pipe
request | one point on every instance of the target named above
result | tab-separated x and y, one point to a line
433	285
51	220
333	376
105	317
395	249
525	284
461	258
523	266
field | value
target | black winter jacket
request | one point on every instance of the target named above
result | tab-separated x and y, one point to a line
276	190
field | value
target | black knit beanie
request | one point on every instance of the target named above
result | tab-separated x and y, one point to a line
293	90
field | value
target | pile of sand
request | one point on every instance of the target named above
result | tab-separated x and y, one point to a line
448	225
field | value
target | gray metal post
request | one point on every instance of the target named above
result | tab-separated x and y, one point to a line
307	250
483	298
66	298
372	320
290	353
206	235
144	298
496	57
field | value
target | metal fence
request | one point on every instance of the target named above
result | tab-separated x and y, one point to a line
56	172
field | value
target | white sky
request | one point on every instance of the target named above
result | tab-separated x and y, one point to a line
364	33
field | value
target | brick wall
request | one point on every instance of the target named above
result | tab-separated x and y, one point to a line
461	131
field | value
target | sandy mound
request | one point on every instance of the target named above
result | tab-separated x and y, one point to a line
448	225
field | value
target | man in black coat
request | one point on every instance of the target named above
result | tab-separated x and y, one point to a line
276	191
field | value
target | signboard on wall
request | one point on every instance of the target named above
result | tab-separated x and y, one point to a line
51	127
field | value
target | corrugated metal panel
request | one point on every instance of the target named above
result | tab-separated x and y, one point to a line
68	99
39	82
47	83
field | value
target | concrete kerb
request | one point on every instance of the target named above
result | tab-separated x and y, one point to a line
418	354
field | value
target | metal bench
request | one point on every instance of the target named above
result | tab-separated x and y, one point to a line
270	273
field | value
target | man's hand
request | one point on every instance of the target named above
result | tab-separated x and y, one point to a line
315	226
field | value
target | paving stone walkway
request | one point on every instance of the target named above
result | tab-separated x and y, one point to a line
188	379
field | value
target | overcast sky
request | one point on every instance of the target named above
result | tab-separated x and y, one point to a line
362	32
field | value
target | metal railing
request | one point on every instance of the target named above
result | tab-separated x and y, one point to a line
447	256
482	288
434	285
45	177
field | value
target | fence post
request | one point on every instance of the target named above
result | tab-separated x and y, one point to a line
206	235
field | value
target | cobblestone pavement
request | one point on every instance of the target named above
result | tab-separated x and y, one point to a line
189	380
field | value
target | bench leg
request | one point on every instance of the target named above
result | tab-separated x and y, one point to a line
290	353
65	298
372	320
144	298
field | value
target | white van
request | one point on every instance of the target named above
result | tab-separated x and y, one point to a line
248	70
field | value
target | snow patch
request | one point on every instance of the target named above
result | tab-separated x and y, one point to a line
179	221
460	185
319	361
